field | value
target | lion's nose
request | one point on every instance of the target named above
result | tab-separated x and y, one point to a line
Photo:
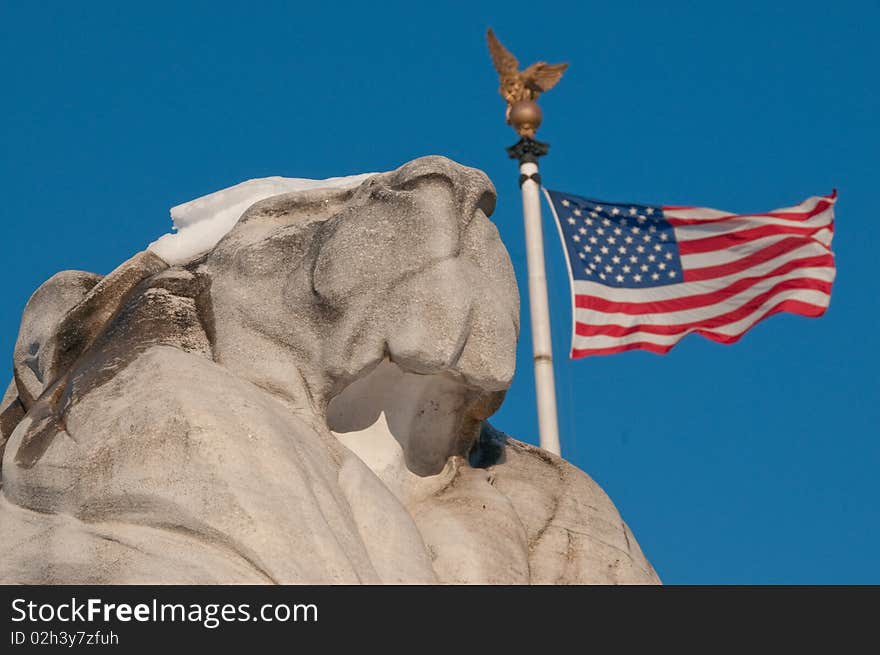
478	192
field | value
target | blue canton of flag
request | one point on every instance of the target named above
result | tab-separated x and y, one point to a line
620	245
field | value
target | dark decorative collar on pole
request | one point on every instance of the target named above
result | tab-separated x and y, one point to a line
527	150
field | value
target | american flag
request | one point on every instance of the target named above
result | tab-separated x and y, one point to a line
644	276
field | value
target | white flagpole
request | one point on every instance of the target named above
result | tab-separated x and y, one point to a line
545	387
527	151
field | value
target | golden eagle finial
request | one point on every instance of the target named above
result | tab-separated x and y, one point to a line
522	88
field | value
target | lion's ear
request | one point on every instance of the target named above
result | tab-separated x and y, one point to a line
65	315
50	303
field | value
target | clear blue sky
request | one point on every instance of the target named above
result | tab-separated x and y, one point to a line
751	463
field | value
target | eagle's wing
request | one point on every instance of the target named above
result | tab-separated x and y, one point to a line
505	63
543	76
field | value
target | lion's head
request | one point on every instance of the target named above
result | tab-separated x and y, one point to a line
309	292
407	265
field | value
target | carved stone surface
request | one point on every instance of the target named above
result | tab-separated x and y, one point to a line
305	403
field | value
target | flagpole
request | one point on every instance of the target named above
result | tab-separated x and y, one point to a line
527	150
520	89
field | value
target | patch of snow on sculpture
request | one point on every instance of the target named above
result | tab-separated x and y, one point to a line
199	224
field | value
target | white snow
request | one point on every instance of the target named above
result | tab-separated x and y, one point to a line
199	224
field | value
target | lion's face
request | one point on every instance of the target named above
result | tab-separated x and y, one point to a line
407	265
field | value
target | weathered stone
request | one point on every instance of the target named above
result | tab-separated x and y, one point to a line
305	403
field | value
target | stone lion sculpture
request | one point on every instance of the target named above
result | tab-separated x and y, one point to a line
305	403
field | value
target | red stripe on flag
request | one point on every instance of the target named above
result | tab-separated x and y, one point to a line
720	320
764	255
792	306
820	207
730	239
